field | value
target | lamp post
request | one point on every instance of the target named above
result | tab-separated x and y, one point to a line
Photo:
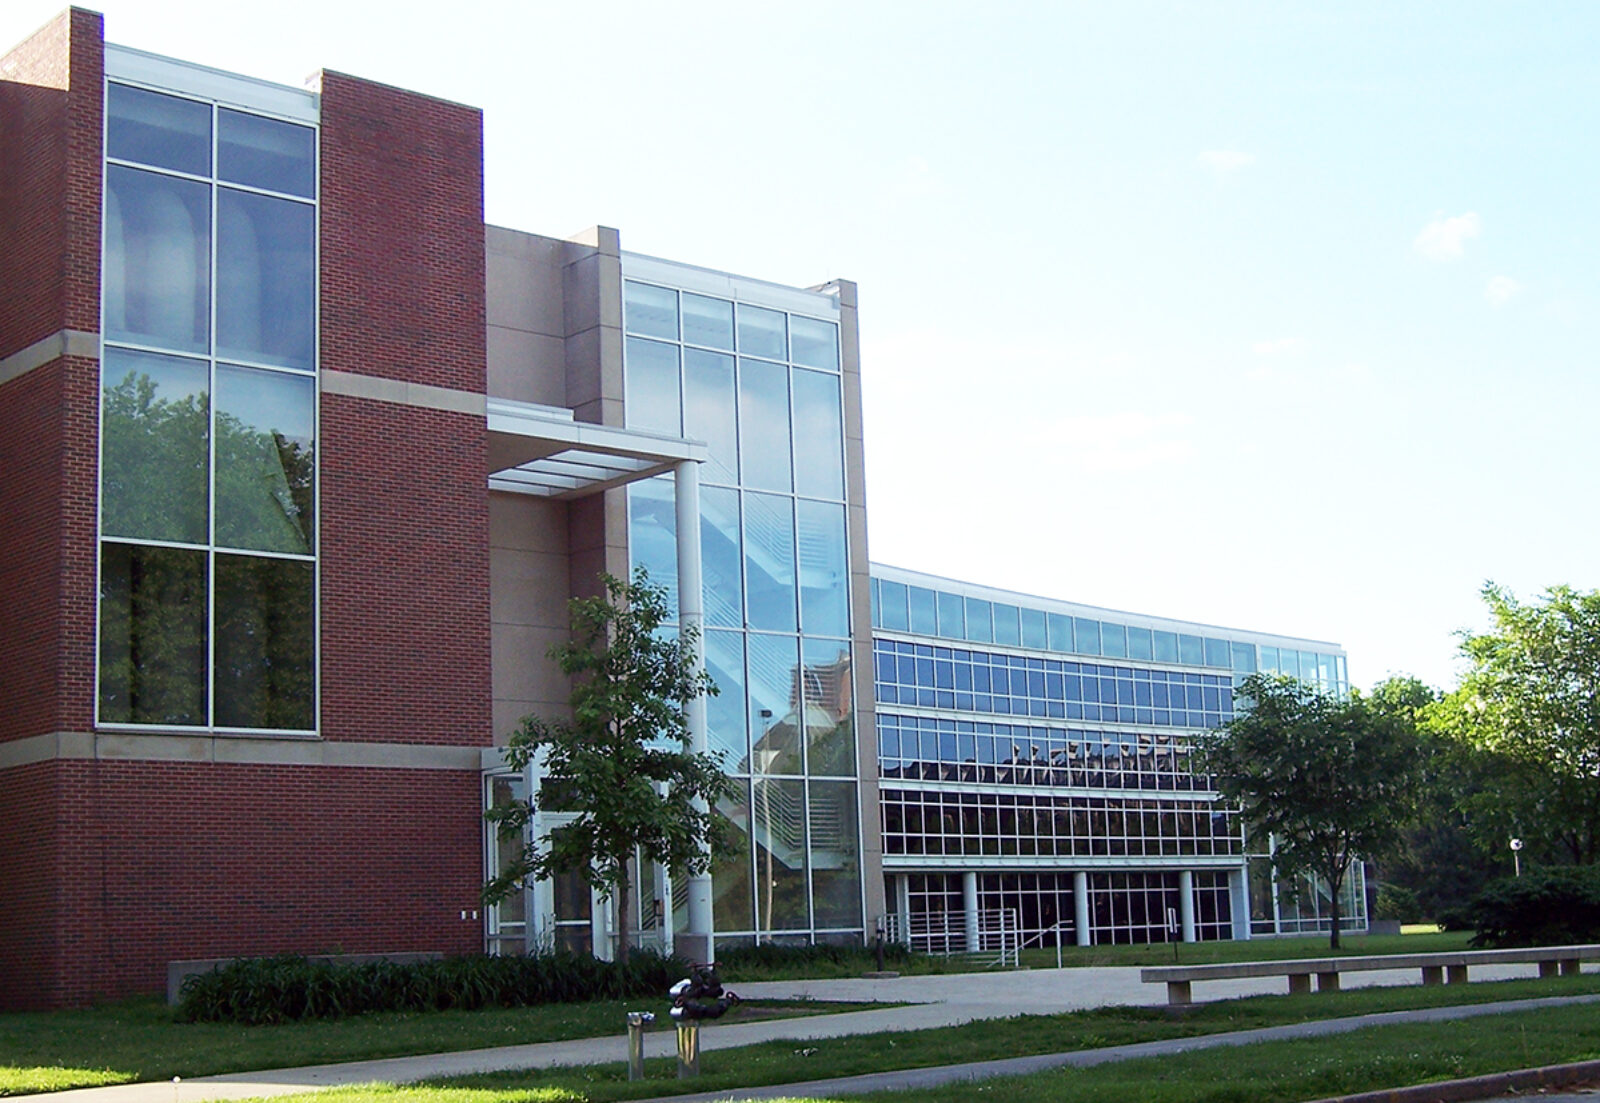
1516	858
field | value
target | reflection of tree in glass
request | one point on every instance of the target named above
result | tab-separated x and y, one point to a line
153	477
264	640
264	488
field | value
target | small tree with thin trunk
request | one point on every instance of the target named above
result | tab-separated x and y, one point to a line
1331	779
622	766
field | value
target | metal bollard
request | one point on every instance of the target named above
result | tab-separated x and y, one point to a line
636	1021
688	1050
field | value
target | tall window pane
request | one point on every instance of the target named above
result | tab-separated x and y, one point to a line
721	559
818	435
824	578
156	129
264	633
157	274
710	413
152	635
725	713
653	534
829	717
779	809
266	461
731	886
835	854
265	279
774	672
154	427
652	386
769	562
764	425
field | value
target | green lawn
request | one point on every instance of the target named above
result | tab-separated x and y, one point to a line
139	1039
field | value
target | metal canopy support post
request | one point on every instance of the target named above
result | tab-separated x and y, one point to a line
1080	908
1186	904
696	942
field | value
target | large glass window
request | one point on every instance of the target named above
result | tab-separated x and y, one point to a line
208	417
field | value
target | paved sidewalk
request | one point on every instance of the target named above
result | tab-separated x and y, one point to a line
935	1001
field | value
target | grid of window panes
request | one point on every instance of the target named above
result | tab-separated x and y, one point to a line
1301	905
207	608
965	823
763	388
930	676
928	748
926	611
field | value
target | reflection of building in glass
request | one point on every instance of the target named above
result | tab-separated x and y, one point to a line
1034	761
304	462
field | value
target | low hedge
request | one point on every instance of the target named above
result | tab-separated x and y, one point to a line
290	988
1543	907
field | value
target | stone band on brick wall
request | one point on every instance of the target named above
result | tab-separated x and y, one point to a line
421	395
240	750
65	342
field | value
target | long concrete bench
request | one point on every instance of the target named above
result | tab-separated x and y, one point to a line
1436	968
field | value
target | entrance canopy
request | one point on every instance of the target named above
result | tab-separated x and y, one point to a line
541	450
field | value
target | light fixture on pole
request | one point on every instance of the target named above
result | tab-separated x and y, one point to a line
1516	858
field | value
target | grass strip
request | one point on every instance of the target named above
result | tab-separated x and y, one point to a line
140	1039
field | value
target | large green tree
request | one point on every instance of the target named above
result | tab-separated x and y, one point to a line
1529	706
1329	778
622	765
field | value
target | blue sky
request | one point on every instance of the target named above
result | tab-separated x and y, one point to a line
1265	315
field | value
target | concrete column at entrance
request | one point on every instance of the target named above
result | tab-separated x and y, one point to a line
969	905
696	943
1080	909
1239	903
1186	904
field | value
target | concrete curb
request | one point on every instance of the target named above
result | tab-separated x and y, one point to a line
1486	1086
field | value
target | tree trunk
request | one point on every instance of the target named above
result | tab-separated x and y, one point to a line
1334	884
624	903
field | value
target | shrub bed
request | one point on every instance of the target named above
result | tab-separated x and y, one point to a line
1543	907
290	988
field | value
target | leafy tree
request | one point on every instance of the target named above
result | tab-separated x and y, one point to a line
1329	778
622	764
1529	709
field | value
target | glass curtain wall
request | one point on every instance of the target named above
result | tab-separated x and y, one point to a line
762	388
207	612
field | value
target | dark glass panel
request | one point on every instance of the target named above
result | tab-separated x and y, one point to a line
156	129
835	854
266	153
730	873
152	635
265	676
779	813
266	460
155	459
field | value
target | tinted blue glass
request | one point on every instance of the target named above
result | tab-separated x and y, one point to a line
1244	658
1007	626
265	460
266	153
1140	645
652	311
1060	631
1085	636
772	664
1216	652
815	343
725	713
265	279
761	333
1034	633
764	425
1289	662
710	412
156	129
156	459
892	603
1191	650
707	321
769	562
1166	647
980	621
157	274
652	534
651	372
1113	640
818	435
1268	657
952	616
721	557
824	580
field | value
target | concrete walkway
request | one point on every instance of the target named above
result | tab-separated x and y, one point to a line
935	1001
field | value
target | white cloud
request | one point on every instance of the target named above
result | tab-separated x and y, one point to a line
1501	290
1446	238
1283	346
1226	162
